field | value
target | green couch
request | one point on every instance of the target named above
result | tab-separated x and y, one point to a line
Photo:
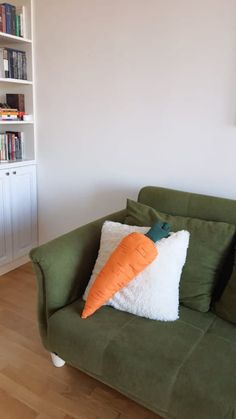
180	370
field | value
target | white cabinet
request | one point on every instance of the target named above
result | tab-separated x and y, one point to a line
18	213
5	219
24	209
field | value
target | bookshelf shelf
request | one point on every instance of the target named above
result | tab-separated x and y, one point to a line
12	39
16	81
16	122
16	163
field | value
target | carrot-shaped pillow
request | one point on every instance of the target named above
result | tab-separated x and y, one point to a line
134	253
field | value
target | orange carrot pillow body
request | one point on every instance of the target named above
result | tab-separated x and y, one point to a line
134	253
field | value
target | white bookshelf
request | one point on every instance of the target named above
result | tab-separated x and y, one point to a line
18	191
26	87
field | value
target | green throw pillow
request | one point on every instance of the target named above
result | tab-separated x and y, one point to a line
226	306
209	245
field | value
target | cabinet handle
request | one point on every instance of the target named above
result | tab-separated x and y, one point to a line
14	173
7	174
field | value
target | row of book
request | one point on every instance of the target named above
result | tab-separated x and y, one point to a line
12	19
11	146
13	64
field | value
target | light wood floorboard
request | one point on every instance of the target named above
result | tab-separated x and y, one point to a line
30	386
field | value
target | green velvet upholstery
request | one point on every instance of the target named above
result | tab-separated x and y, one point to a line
209	245
189	204
225	307
63	268
169	367
180	370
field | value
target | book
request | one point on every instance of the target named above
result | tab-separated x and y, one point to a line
5	63
10	63
17	101
3	148
8	14
13	20
17	25
2	71
24	66
1	19
3	14
21	12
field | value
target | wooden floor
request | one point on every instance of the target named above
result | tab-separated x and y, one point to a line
30	387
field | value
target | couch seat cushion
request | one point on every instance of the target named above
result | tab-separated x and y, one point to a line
177	369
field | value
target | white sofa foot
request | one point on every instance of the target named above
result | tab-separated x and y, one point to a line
57	362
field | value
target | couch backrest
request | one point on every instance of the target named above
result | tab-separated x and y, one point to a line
194	205
189	204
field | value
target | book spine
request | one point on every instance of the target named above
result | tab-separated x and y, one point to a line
17	25
4	28
10	63
21	12
23	23
8	11
3	157
22	144
6	63
8	147
5	147
24	66
13	20
1	22
17	146
20	25
13	139
2	71
1	147
20	66
20	134
15	64
21	102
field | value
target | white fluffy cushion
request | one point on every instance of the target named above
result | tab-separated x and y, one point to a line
154	293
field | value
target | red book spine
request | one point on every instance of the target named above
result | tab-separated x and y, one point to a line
13	146
1	25
3	14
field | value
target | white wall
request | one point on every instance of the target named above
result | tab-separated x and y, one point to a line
130	93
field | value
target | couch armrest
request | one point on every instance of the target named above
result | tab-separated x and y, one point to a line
63	267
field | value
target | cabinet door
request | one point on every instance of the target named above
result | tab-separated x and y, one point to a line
24	209
5	219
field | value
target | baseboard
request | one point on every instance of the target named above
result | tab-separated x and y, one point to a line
13	265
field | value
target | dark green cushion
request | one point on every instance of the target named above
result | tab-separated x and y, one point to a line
179	369
226	306
210	243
